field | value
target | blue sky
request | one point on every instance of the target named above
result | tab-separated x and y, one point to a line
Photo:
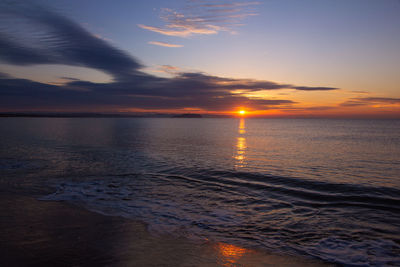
349	45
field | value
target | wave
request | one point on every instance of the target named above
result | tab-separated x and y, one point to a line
309	192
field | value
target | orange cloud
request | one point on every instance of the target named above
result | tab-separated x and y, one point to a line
164	44
183	32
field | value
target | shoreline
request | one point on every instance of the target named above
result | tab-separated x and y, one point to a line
38	233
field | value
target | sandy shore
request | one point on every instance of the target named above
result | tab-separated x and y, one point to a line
41	233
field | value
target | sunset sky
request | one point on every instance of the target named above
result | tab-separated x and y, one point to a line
329	58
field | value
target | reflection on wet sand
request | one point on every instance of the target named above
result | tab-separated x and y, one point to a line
241	145
230	254
41	233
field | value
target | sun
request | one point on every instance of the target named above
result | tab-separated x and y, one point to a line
242	112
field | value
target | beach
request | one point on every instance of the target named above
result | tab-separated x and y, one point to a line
48	233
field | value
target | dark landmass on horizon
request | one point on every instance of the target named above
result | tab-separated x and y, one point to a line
108	115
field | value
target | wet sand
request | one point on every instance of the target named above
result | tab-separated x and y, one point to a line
42	233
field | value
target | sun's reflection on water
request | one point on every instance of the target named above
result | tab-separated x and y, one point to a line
242	126
241	145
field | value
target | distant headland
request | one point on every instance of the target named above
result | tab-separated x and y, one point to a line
188	115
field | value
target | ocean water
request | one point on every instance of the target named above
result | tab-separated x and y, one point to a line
326	189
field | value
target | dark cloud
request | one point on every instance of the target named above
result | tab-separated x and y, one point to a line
363	101
69	78
31	34
353	103
30	94
14	53
379	100
59	41
4	75
307	88
319	108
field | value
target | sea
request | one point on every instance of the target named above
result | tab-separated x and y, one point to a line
326	189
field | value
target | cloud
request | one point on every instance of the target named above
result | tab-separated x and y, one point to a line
203	18
164	44
363	101
360	92
246	85
31	35
168	69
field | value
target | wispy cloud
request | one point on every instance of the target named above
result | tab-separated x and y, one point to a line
199	18
164	44
232	4
363	101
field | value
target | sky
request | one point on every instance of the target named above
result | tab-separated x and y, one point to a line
273	58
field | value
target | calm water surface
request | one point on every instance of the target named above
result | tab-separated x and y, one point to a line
328	189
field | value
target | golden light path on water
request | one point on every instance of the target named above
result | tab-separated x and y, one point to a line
241	145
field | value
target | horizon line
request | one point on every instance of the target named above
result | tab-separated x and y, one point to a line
46	114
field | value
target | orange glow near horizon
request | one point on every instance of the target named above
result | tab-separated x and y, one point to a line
334	111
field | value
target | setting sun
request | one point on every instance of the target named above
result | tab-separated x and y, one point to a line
242	112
